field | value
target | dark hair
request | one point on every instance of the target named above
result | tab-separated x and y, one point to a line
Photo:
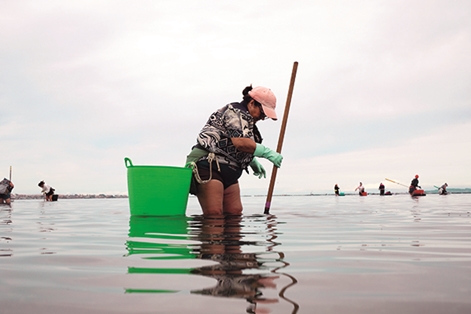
40	183
247	98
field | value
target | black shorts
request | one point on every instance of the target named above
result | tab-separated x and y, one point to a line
51	192
5	196
228	175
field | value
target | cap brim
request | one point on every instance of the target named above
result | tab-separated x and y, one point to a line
269	112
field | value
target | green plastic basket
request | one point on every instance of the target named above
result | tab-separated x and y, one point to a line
157	190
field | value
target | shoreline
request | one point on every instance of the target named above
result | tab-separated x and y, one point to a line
103	196
65	196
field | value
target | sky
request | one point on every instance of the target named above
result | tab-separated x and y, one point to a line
383	89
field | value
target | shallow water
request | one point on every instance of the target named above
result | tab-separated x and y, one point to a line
312	254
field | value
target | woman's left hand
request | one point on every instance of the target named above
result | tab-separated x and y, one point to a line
257	168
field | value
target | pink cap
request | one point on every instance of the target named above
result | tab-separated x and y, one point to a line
268	100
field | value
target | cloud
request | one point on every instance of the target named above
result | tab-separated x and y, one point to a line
84	84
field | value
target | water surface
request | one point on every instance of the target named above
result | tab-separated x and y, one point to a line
312	254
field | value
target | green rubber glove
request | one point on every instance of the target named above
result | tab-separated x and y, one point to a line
265	152
257	168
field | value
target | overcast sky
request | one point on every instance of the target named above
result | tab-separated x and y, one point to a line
383	89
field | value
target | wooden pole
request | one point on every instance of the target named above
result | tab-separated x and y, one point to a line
281	137
10	173
396	182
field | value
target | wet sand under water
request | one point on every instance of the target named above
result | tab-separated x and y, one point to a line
312	254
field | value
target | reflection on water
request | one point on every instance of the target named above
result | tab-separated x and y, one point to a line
5	214
241	255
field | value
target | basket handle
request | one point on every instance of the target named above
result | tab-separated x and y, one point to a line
128	162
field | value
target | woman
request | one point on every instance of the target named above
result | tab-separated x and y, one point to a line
381	188
6	186
442	190
414	184
226	146
361	189
47	190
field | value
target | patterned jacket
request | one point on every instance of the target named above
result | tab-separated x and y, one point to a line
232	120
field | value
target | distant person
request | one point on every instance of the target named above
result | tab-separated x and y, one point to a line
381	188
5	191
361	189
337	189
47	190
442	190
414	184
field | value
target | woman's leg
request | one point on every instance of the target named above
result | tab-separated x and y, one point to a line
211	196
232	203
215	201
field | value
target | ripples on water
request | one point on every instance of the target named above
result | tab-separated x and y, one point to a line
328	254
238	253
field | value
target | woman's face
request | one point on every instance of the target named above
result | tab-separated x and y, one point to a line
256	111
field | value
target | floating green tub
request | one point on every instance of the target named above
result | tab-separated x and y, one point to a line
157	190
